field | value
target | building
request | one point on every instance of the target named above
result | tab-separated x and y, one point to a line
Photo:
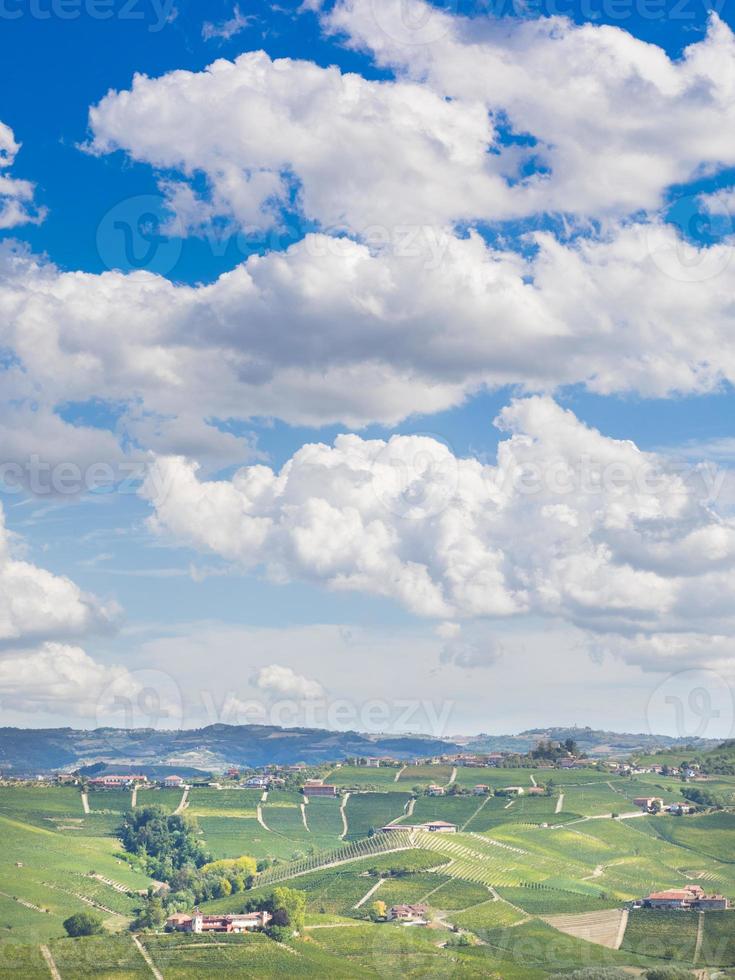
481	790
649	802
407	913
316	787
513	790
257	782
432	826
440	827
239	922
435	790
536	791
679	809
173	782
115	780
373	763
690	897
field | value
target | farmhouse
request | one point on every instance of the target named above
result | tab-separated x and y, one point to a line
407	913
440	827
536	791
173	782
242	922
257	782
678	809
513	790
481	790
316	787
435	790
649	802
432	826
689	897
113	780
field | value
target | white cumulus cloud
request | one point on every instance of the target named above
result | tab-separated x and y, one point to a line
615	540
285	682
35	603
16	196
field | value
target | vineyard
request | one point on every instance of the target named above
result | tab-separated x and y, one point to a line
513	863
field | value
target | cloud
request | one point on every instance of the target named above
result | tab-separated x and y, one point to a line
334	331
603	122
226	29
16	196
285	682
470	654
60	679
615	540
34	603
605	117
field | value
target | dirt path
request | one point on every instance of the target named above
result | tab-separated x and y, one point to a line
700	935
509	804
147	957
264	797
259	818
452	776
303	816
533	781
559	803
52	968
343	814
85	803
411	805
369	893
621	929
474	813
398	774
183	803
134	797
599	869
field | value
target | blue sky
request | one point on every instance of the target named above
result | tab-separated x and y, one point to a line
551	289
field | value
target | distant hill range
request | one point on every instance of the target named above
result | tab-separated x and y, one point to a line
40	750
592	741
26	751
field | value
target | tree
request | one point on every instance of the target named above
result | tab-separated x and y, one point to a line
377	911
152	915
84	924
166	842
288	908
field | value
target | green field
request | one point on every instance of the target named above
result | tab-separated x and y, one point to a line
366	811
362	777
425	775
513	861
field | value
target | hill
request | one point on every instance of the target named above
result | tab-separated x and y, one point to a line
30	751
592	741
